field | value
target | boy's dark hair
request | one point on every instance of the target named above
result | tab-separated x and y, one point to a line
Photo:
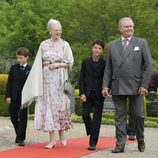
23	51
99	42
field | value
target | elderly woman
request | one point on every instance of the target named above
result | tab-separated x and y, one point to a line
46	81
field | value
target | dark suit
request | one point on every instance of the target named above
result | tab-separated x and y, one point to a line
90	84
124	74
16	80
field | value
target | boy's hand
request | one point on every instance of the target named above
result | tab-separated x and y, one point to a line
83	98
8	100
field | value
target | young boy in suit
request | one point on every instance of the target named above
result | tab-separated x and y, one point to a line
90	87
17	76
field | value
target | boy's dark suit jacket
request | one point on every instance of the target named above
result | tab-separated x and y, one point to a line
91	77
16	80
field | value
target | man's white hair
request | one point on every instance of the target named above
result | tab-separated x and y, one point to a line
125	19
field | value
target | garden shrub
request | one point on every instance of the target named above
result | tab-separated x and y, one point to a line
108	119
3	83
78	104
3	106
31	108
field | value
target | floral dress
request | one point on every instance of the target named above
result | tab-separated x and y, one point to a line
49	114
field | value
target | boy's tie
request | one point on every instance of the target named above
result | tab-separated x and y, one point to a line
21	67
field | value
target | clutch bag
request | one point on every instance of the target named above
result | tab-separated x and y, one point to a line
68	89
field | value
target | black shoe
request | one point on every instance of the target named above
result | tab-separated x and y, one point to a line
92	147
118	149
131	137
141	146
21	143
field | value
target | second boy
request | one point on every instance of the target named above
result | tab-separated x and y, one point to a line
90	87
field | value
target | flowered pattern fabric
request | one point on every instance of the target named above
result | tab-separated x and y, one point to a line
48	110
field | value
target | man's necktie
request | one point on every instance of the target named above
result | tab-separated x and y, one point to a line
125	44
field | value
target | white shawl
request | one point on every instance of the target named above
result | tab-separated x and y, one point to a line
33	87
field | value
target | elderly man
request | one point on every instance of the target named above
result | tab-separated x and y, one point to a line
127	73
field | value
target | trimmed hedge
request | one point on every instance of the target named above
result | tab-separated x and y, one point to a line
3	106
78	104
108	119
3	83
31	109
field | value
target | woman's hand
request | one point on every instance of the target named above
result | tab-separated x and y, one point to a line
54	65
57	65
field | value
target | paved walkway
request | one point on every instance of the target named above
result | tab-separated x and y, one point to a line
7	138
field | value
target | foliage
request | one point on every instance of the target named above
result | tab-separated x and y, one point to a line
3	82
152	119
78	106
78	103
108	119
31	109
2	65
3	106
151	124
76	92
76	118
23	23
108	115
145	106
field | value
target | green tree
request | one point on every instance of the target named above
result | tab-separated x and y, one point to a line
23	23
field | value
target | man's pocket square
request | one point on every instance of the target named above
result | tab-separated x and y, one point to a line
136	48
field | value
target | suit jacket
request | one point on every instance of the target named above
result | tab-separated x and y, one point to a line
126	72
91	77
16	80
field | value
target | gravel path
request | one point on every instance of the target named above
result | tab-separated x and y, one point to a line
7	138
